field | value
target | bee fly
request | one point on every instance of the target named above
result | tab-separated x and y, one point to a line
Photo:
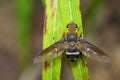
73	46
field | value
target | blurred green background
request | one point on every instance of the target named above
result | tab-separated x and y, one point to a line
101	24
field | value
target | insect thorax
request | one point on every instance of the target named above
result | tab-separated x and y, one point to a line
72	37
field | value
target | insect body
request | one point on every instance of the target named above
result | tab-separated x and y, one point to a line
72	38
73	46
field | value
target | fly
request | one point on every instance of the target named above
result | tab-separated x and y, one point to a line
73	46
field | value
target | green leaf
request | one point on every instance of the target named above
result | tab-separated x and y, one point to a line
23	27
52	33
59	13
91	17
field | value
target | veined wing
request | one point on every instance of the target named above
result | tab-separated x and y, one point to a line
92	51
51	52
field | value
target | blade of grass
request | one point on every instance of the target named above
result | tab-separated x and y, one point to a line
79	69
52	33
91	17
92	9
23	15
57	15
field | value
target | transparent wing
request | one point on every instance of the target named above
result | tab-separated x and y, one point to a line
92	51
51	52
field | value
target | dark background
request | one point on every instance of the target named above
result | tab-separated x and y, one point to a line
103	30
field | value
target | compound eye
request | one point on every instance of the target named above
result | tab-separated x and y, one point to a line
68	25
75	25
